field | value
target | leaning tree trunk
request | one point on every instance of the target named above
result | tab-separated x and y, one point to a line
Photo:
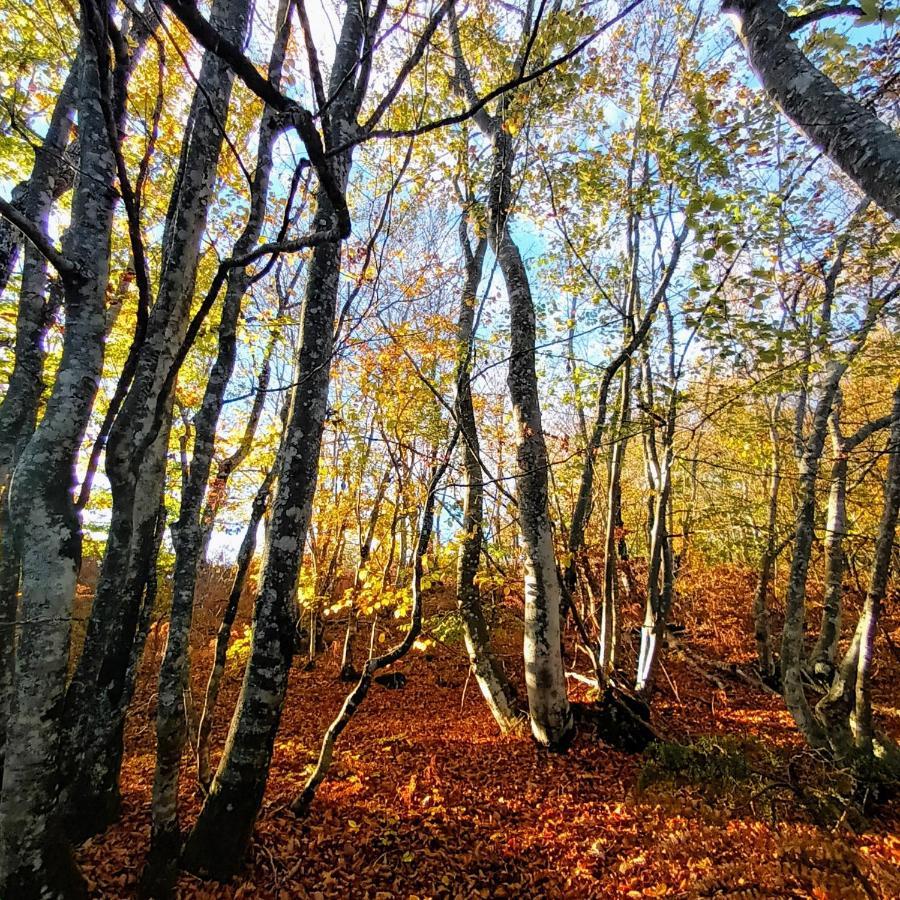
492	680
135	460
354	699
852	136
220	837
545	679
35	859
171	716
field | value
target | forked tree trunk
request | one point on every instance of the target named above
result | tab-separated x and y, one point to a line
551	718
822	658
846	710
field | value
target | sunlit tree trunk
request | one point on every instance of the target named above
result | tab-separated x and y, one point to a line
35	859
822	658
545	681
866	149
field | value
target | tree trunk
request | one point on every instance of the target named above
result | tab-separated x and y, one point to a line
220	837
135	459
223	635
36	309
51	176
821	660
492	680
795	603
761	629
171	722
849	132
35	860
846	710
609	626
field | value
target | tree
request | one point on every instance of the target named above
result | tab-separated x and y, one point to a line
849	132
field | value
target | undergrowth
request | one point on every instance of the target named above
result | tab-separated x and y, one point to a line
745	775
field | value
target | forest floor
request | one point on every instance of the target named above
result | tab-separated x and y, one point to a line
426	799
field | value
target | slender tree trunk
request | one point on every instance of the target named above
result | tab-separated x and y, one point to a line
846	710
51	176
821	660
223	635
545	680
171	719
135	460
609	626
222	832
795	605
658	597
761	629
492	681
35	859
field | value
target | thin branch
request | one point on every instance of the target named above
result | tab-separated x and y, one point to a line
66	268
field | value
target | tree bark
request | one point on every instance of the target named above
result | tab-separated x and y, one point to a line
223	635
845	712
821	660
220	837
35	859
135	460
761	630
551	719
492	680
850	134
161	867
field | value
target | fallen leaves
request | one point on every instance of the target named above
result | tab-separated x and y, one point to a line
427	800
